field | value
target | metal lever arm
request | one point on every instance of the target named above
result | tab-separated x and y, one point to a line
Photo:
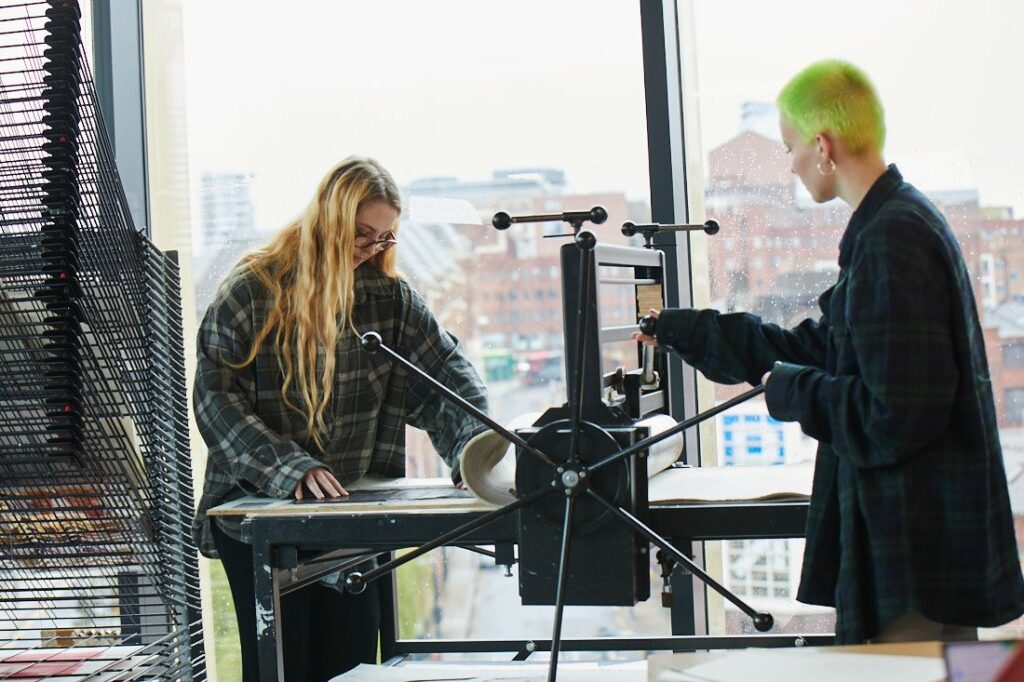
372	343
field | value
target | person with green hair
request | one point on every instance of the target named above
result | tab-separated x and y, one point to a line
909	533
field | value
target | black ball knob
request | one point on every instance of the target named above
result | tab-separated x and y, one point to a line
501	220
355	583
371	342
629	228
586	240
711	227
648	325
598	215
763	622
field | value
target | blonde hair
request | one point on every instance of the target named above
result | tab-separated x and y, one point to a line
308	271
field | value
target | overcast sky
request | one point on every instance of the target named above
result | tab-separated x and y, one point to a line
463	87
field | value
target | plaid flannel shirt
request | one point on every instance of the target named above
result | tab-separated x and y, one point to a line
258	446
909	506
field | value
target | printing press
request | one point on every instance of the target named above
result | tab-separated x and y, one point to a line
579	489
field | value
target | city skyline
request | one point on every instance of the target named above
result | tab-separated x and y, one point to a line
289	113
437	214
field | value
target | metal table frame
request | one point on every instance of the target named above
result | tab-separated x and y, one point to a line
282	543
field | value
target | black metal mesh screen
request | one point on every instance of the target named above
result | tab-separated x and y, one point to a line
98	575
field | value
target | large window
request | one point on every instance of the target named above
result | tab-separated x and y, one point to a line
951	113
534	106
527	107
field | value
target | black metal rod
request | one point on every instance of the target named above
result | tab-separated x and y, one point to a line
361	579
681	426
596	215
563	571
479	550
630	228
457	399
664	643
576	399
314	576
665	545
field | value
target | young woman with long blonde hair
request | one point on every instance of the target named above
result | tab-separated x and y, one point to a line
290	405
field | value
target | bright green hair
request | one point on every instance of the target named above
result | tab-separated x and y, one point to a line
836	97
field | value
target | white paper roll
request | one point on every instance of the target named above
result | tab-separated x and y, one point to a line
488	462
663	454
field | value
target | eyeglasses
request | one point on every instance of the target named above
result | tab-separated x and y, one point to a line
386	241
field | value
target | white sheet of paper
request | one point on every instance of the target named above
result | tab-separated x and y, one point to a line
726	484
378	483
634	671
794	665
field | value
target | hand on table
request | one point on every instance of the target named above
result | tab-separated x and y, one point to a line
321	482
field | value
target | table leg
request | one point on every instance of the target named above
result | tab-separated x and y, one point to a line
388	624
685	612
268	607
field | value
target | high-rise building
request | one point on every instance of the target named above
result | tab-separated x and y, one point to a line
748	435
227	207
227	229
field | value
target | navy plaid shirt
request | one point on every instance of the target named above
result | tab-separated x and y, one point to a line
258	446
910	508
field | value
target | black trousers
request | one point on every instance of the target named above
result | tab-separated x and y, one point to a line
323	631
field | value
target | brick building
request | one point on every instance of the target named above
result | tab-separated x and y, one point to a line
777	252
506	300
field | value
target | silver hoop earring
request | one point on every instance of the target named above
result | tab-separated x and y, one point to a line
832	168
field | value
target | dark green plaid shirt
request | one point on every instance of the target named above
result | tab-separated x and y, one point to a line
258	446
910	508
